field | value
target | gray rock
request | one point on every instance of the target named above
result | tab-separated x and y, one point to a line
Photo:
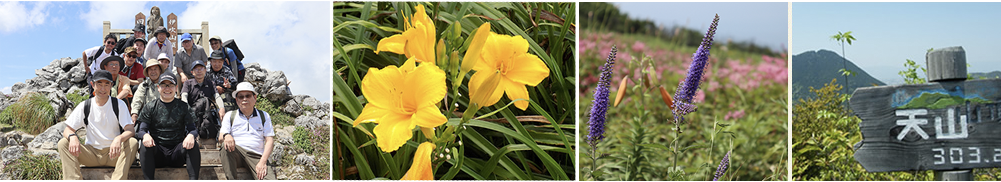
44	74
307	121
20	88
11	153
58	102
67	63
53	154
64	84
26	138
304	159
278	94
284	135
276	155
49	139
254	73
77	74
11	139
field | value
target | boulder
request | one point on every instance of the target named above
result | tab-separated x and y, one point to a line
11	153
20	88
53	154
283	135
49	139
66	63
309	122
254	73
77	74
276	155
45	74
305	159
10	139
58	102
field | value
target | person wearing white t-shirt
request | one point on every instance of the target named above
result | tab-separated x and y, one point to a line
109	136
109	47
247	135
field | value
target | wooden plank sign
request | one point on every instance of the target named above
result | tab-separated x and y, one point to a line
172	30
935	126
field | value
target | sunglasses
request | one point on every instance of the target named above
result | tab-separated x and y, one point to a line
110	42
132	55
244	96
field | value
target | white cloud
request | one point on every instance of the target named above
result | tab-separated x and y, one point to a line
293	37
116	12
15	15
5	90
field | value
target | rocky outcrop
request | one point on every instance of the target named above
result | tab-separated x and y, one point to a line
67	76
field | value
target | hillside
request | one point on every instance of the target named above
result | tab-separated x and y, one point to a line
816	68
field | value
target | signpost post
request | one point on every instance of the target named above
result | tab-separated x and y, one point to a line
949	125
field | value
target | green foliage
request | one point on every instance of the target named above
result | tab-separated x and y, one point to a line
842	38
910	73
75	98
31	114
824	133
642	141
302	139
278	117
500	149
34	167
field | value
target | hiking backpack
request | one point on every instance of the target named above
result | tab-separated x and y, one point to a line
114	106
206	114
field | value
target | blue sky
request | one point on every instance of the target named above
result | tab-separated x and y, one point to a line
764	23
293	37
889	33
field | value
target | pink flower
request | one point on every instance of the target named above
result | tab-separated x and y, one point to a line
734	115
639	46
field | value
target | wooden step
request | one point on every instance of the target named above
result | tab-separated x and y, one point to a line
208	172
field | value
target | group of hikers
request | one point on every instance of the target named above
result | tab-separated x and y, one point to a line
148	99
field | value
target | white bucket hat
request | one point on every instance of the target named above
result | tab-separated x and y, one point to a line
244	86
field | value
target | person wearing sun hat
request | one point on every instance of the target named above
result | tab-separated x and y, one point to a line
230	58
133	68
247	135
223	79
146	91
168	133
120	88
159	44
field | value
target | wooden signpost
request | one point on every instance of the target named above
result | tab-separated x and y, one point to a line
172	30
950	125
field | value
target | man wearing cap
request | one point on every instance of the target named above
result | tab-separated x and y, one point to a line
231	58
146	91
91	65
132	69
140	45
159	44
165	61
120	83
247	135
109	139
222	78
168	130
188	55
200	95
138	32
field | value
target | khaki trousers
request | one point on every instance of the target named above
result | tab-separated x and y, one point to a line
232	160
91	157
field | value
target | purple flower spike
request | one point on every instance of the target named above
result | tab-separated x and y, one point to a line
686	89
723	164
599	105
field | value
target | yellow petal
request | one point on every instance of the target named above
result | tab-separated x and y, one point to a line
370	114
394	44
381	87
516	91
483	88
527	69
490	54
473	53
420	169
428	117
393	131
425	86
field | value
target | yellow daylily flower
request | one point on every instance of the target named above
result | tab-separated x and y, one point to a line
400	98
508	56
421	168
417	40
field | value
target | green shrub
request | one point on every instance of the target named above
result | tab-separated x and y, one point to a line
75	98
278	117
34	167
31	114
302	139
